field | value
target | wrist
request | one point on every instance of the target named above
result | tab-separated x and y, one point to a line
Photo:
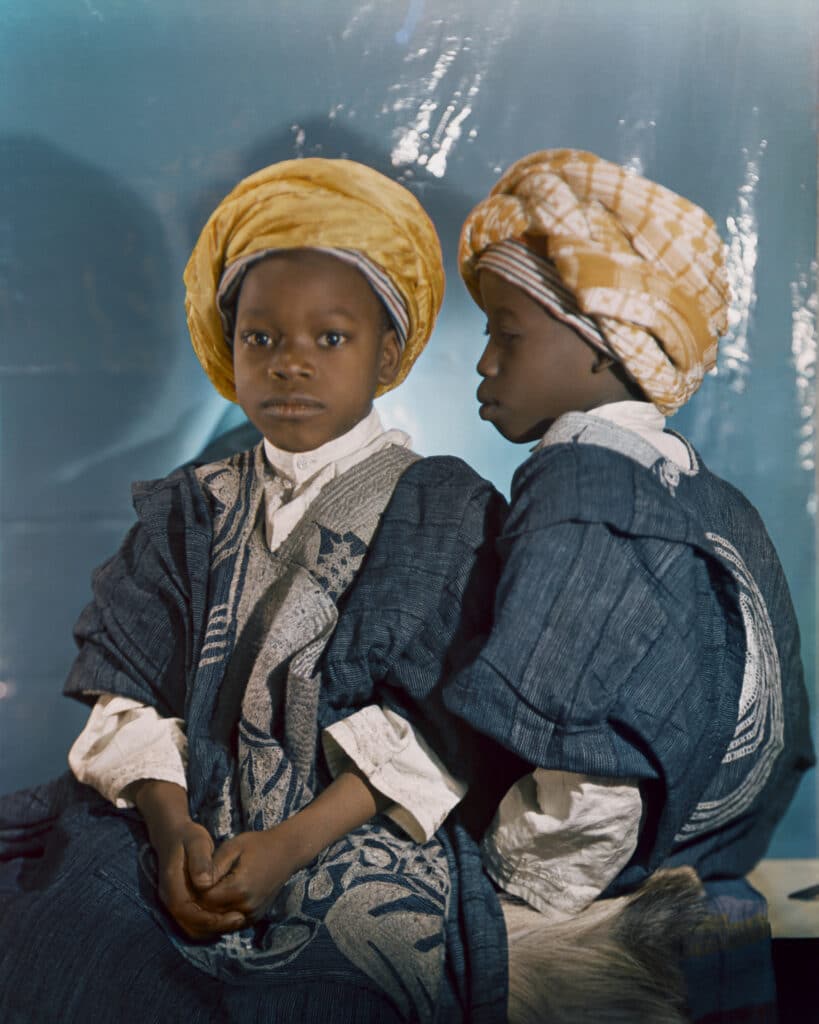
163	806
347	803
299	837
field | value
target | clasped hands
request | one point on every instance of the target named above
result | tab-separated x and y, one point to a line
211	891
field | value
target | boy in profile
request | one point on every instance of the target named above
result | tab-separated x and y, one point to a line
644	655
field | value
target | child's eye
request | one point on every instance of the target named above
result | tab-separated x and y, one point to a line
332	339
257	339
500	336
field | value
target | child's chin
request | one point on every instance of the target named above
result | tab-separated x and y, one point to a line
512	436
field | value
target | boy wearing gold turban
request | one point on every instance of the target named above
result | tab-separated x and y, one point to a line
644	657
280	893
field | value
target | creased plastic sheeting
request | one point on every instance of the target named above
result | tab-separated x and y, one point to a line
122	124
803	350
742	239
442	101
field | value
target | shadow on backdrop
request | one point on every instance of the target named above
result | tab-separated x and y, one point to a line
86	282
86	303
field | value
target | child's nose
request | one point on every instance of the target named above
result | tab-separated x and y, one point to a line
291	357
488	363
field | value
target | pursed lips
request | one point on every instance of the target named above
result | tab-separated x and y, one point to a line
487	402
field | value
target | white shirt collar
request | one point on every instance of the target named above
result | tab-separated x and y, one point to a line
300	466
640	417
645	420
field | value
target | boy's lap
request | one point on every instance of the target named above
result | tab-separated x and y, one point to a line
370	912
86	966
368	917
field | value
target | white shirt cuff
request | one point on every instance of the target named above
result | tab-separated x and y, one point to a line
559	838
124	742
397	762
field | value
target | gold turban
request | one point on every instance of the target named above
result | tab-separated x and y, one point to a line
314	202
645	264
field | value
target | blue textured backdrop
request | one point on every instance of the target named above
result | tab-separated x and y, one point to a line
122	122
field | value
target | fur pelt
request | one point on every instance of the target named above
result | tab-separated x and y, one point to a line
616	962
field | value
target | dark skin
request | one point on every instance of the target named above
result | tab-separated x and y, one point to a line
210	891
535	368
311	346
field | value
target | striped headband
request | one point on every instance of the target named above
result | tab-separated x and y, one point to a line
538	277
378	279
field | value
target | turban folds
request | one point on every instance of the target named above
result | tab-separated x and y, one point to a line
315	203
644	264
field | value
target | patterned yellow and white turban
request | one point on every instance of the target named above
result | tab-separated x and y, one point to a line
335	205
637	269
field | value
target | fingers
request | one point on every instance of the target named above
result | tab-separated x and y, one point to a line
199	860
198	923
182	903
228	889
225	860
225	890
240	891
233	922
172	886
232	893
234	886
235	889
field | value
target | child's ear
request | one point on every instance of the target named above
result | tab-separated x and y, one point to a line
390	357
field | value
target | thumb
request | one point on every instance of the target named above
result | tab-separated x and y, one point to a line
199	859
224	860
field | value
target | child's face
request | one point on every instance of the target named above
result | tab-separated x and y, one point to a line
311	345
535	367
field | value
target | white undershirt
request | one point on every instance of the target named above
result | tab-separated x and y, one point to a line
557	839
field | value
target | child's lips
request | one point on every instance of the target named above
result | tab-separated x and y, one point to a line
488	405
292	407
